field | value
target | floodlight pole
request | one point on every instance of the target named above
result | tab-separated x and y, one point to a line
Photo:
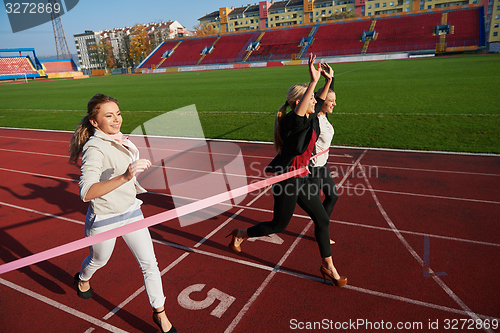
62	47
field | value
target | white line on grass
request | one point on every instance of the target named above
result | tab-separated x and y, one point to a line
413	114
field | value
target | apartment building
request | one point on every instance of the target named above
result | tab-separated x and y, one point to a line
271	14
120	41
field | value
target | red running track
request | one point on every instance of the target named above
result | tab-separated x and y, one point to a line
416	234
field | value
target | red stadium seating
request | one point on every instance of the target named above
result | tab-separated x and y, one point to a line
339	38
229	48
188	52
280	44
59	66
156	57
405	33
18	65
465	27
392	33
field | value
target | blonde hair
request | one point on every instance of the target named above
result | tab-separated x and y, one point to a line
330	91
85	129
293	94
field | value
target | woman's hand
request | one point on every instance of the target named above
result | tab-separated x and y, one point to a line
313	72
136	167
327	71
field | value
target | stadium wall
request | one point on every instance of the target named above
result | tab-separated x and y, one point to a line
331	60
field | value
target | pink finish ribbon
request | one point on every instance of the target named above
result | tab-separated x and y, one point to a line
146	222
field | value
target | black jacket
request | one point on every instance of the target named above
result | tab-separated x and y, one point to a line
296	133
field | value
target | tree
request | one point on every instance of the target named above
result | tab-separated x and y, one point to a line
140	45
205	29
102	53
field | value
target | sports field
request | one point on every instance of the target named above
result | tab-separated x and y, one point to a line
445	103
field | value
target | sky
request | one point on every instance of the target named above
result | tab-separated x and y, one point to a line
107	14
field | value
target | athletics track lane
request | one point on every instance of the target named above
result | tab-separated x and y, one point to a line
445	207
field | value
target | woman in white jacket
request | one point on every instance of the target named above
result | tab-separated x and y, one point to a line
109	165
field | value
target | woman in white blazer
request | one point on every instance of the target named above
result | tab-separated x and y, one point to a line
110	163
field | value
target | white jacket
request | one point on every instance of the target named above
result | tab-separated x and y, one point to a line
102	159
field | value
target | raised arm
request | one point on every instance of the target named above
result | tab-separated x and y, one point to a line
305	102
328	75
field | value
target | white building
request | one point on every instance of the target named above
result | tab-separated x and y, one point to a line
82	42
119	40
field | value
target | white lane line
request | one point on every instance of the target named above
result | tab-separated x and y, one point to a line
410	249
41	213
414	233
173	264
32	152
266	267
39	175
264	284
345	177
318	279
416	302
351	169
371	166
269	143
60	306
270	211
437	171
32	139
74	180
248	207
268	158
438	197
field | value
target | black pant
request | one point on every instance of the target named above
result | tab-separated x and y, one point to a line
322	177
287	194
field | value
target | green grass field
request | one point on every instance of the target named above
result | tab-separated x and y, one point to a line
442	103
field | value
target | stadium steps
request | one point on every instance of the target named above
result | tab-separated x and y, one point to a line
201	59
163	59
367	42
253	37
444	18
250	52
311	35
204	55
441	45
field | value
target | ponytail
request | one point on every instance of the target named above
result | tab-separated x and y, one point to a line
85	128
81	135
278	142
293	94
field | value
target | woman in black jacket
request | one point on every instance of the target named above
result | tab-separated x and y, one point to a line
295	135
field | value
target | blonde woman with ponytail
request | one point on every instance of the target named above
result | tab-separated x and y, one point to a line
109	165
295	135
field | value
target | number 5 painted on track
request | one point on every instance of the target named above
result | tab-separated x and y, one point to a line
213	294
